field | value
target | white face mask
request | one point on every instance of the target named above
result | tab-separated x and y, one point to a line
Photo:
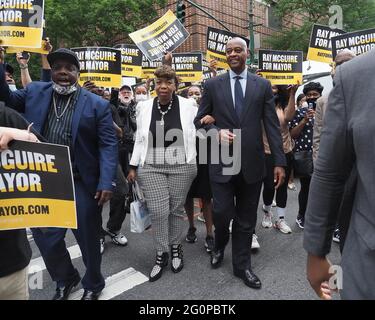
12	87
141	97
65	91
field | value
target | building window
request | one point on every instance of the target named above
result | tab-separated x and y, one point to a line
274	21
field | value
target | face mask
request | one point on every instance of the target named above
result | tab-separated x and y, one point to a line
141	97
65	91
12	87
305	105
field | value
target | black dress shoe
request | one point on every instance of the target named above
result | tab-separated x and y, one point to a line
89	295
249	278
217	257
64	292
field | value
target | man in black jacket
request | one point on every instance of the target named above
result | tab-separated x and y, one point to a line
15	251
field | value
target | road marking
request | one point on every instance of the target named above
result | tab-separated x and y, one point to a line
117	284
37	265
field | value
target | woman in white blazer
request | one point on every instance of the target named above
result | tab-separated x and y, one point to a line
164	164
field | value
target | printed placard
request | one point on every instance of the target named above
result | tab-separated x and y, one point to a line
320	48
359	42
131	60
217	43
21	23
281	67
99	65
36	187
149	67
188	66
164	35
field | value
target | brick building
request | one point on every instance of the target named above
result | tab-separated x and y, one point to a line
234	14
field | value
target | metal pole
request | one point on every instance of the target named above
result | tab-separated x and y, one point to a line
209	14
251	31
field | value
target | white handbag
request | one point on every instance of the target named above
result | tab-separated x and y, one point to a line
140	219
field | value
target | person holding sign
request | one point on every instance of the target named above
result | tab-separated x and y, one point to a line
239	102
15	252
66	114
164	160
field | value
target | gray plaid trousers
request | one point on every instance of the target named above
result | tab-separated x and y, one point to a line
165	187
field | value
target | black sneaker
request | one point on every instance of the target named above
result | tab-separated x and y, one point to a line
209	244
191	237
336	236
300	222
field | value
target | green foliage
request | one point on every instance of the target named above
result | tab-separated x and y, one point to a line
75	23
104	22
357	15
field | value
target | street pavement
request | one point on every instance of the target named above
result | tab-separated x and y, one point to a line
279	263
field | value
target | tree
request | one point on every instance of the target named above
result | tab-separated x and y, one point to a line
356	16
101	22
75	23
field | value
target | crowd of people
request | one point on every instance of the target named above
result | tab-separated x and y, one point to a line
174	146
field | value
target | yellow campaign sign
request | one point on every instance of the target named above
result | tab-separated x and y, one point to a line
281	67
31	176
99	65
131	60
149	68
165	34
359	42
216	42
188	66
21	23
320	48
40	50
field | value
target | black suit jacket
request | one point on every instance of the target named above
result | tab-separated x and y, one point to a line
217	101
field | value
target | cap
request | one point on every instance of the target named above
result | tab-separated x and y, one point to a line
125	86
63	54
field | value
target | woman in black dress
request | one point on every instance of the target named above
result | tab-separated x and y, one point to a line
200	188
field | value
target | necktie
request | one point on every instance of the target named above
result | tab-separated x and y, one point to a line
238	97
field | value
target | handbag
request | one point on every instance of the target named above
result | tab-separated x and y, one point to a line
303	164
140	219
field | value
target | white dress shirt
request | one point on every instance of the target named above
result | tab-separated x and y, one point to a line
243	82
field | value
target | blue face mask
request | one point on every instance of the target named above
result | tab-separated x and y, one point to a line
65	91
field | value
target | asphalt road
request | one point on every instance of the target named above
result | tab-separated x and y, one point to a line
279	263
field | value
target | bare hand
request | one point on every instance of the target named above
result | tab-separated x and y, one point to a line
47	45
2	55
310	114
293	89
132	176
226	137
279	177
208	120
103	197
168	59
318	276
212	65
10	134
21	61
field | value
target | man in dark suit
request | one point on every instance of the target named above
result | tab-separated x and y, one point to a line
242	101
64	113
346	149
